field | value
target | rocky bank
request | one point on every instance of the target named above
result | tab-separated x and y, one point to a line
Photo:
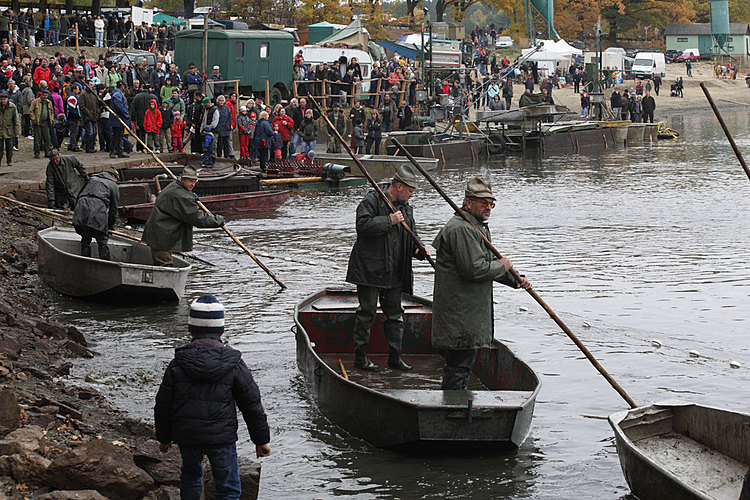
59	441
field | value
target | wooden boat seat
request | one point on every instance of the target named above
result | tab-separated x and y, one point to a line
459	399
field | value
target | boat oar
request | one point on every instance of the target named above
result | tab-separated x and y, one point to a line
67	219
174	177
372	181
726	131
513	272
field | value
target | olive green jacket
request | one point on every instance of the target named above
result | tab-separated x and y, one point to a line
170	225
10	125
465	269
63	182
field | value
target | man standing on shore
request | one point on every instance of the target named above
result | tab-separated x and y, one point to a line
615	102
463	314
649	105
381	266
170	225
10	126
63	183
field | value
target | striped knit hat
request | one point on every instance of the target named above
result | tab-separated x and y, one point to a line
206	316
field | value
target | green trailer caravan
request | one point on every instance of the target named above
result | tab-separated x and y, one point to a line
250	56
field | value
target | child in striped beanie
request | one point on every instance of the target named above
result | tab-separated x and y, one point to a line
196	406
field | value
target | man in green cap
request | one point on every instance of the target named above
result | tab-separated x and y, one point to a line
169	227
462	317
380	266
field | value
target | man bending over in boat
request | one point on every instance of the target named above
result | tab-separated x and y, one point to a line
465	269
380	266
169	227
96	211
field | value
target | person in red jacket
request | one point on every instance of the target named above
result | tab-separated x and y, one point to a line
286	125
152	125
178	126
42	73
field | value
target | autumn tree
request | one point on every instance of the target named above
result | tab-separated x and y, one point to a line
623	16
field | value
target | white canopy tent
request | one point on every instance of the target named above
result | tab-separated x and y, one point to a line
555	52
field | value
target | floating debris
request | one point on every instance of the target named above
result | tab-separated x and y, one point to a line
495	301
523	308
586	324
695	354
735	364
655	343
128	227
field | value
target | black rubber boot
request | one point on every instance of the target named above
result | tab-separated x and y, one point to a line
396	362
362	362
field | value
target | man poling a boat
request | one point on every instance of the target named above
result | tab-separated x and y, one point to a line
96	211
381	266
169	227
465	270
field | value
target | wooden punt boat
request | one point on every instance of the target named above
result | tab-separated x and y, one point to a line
683	451
129	276
228	205
379	166
408	410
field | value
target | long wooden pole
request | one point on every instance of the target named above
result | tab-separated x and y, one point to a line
513	272
726	131
372	181
200	203
110	231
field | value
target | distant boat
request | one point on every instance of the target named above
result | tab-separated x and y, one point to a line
129	276
379	166
228	205
683	451
393	409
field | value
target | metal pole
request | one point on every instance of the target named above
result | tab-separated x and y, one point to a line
205	50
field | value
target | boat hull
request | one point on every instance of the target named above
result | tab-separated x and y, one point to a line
230	206
682	451
128	276
409	417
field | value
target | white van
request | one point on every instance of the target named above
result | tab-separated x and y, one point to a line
649	64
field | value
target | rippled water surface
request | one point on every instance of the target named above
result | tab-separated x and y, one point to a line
648	242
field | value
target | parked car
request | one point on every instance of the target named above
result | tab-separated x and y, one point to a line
503	42
689	55
128	56
631	52
671	55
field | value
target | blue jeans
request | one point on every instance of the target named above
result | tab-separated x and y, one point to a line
89	135
293	148
307	147
224	467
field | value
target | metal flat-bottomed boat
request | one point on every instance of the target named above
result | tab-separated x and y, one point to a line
129	276
408	410
683	451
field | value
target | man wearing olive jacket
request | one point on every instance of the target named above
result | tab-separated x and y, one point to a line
169	227
380	266
465	269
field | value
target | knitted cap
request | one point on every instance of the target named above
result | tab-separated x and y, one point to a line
206	316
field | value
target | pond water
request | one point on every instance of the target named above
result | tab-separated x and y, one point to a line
641	243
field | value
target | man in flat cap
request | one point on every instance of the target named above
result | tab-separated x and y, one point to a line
380	266
462	318
169	227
